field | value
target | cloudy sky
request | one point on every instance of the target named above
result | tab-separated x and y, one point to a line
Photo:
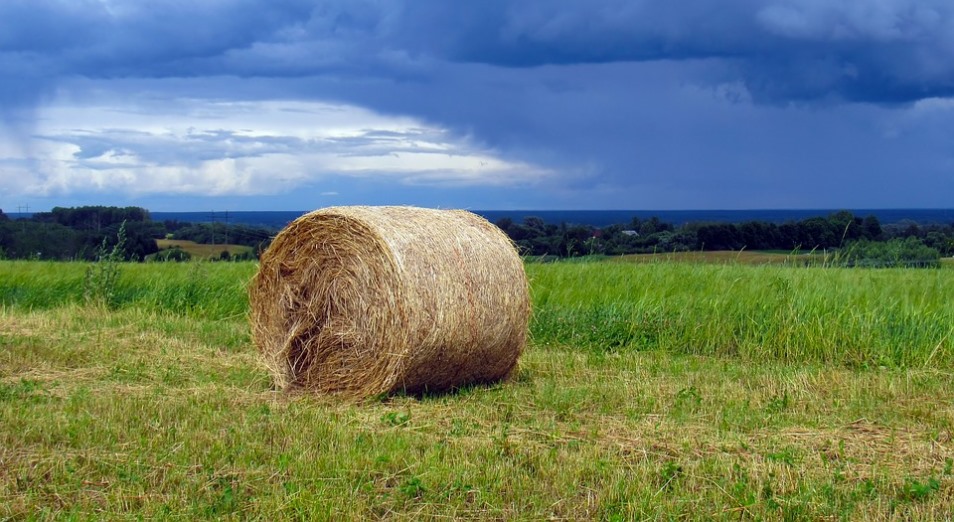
491	104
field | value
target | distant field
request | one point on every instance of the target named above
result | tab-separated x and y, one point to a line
668	390
744	257
722	257
199	250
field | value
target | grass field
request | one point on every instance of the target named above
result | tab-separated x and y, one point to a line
200	250
659	390
725	256
745	257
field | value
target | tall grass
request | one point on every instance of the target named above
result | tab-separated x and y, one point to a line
853	317
896	317
199	289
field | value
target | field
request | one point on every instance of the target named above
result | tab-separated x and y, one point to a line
649	390
746	257
724	256
200	250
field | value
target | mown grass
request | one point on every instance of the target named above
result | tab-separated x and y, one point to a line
159	408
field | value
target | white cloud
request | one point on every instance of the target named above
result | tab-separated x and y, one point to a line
934	105
213	147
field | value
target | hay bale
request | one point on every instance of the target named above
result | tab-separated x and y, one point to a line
368	300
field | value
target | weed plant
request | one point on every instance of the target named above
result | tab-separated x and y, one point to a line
102	276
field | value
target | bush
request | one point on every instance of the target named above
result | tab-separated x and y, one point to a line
908	252
172	254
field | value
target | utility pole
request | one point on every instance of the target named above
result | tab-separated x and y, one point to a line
21	218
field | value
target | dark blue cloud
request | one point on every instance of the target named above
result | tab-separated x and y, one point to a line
895	50
51	27
527	34
117	38
889	51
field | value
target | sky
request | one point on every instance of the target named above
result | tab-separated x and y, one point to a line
178	105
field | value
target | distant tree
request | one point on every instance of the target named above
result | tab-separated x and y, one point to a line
535	224
27	239
3	217
845	226
871	228
208	233
172	225
572	239
681	241
140	240
913	230
652	226
504	224
818	232
92	218
519	233
719	236
938	240
788	236
6	237
756	235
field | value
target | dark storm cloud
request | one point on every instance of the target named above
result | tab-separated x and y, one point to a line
103	37
891	50
894	50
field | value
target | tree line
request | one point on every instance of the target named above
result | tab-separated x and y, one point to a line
82	233
862	240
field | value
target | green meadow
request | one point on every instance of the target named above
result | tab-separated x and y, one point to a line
650	390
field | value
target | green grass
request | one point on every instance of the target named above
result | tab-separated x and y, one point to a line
888	317
201	289
748	257
159	408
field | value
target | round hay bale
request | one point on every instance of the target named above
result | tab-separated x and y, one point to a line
362	301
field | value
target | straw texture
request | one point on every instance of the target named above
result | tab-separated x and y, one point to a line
362	301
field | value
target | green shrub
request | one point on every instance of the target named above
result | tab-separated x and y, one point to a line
172	254
910	252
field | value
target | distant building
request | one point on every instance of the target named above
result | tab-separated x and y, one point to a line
630	233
